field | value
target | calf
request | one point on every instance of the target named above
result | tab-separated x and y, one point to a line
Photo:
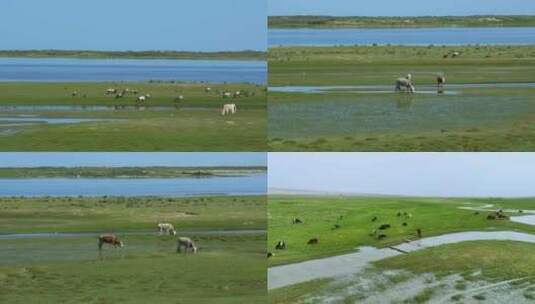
109	239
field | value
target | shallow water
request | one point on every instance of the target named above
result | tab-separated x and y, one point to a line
405	36
280	276
384	113
253	184
451	89
27	120
81	70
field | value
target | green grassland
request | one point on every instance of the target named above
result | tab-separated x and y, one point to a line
162	94
243	55
354	216
122	172
399	22
194	124
374	65
67	214
226	269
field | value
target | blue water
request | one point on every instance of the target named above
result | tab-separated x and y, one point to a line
73	70
406	36
254	184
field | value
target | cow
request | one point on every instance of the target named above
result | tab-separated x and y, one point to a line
109	239
419	232
187	243
313	241
281	245
226	95
111	91
142	98
381	236
296	221
384	226
179	98
208	90
229	108
269	254
167	228
441	80
374	219
405	83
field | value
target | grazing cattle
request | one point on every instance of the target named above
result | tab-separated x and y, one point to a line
74	93
520	211
404	224
419	232
406	84
491	217
120	95
208	90
374	219
179	98
148	96
296	221
227	95
384	226
109	239
142	98
455	54
229	108
336	226
381	236
186	243
111	91
313	241
476	213
281	245
399	214
270	254
166	228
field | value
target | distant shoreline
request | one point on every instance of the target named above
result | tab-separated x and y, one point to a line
126	172
304	21
91	54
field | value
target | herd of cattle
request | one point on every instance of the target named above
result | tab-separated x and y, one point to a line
379	233
183	243
227	108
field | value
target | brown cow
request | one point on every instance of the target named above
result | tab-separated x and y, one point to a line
109	239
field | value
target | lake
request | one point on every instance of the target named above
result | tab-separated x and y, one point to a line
91	70
253	184
405	36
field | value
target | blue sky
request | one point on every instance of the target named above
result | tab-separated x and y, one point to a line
36	159
419	174
399	8
191	25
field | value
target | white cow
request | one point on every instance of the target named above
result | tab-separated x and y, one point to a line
142	98
229	108
187	243
167	228
227	95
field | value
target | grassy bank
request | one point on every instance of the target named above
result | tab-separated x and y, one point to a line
101	214
399	22
343	223
162	94
192	124
91	54
374	65
122	172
